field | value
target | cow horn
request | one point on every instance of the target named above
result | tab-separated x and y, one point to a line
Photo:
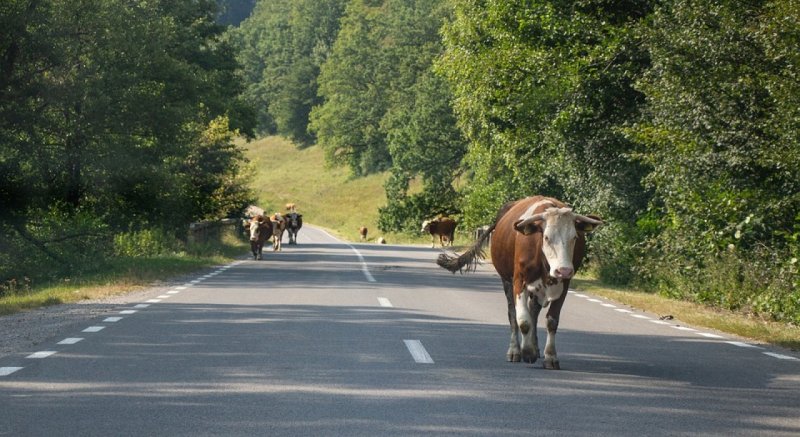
587	223
525	225
590	220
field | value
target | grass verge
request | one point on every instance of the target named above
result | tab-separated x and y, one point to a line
780	334
123	275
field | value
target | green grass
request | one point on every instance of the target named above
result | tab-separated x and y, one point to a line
765	331
124	275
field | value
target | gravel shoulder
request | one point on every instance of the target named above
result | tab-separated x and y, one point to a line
21	332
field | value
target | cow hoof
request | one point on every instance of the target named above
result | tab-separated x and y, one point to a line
530	355
513	357
551	363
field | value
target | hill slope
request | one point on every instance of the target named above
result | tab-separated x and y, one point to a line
327	197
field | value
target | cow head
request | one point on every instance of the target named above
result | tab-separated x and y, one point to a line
559	228
255	229
426	226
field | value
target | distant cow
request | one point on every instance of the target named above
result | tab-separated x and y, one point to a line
278	226
442	227
537	245
260	230
294	222
363	232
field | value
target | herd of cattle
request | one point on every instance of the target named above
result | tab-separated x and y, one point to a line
263	227
273	226
537	245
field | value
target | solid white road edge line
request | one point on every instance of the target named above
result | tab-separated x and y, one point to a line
741	344
780	356
364	268
684	328
418	351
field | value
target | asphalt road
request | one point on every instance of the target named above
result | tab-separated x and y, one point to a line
328	338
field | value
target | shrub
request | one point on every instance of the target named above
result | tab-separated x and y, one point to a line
146	242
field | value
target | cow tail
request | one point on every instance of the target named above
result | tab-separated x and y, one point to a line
468	260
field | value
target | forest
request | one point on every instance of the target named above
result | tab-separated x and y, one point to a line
677	121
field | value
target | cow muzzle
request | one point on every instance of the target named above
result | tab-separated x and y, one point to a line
564	272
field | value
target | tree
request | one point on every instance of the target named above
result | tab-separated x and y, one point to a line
720	133
283	44
102	102
354	83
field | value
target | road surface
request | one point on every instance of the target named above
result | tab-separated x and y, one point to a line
330	338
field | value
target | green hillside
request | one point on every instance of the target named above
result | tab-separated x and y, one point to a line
327	197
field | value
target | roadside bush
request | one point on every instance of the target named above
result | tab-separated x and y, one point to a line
146	242
51	244
612	254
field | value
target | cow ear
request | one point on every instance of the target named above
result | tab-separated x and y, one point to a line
525	227
588	223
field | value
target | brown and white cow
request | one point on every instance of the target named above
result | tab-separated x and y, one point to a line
442	227
278	227
260	229
537	245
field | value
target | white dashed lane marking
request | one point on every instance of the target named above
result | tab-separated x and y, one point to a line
418	351
681	328
384	302
41	354
5	371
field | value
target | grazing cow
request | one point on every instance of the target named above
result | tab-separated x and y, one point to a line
537	245
442	227
260	230
363	232
278	226
294	222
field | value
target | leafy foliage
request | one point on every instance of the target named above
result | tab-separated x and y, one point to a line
103	105
282	46
674	120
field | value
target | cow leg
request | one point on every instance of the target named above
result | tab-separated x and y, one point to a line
535	308
553	315
529	344
260	250
513	354
253	249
